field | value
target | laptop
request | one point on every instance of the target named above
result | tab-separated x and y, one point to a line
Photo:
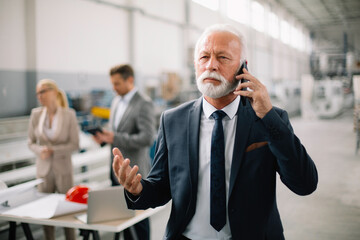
106	205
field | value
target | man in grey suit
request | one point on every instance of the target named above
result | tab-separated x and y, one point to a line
132	124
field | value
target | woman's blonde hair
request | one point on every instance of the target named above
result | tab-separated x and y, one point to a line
60	94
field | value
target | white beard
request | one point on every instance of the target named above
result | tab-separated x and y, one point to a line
211	90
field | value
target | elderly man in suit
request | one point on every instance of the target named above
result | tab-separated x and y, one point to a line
132	124
217	157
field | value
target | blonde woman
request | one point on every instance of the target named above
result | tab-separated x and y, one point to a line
53	136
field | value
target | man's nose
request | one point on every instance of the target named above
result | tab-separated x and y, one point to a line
212	64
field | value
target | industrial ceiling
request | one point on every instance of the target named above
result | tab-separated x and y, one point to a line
336	22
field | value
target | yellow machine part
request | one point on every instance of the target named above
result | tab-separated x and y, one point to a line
100	112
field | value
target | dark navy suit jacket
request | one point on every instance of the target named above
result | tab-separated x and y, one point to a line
252	208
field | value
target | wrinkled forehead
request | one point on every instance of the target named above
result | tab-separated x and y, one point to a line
220	41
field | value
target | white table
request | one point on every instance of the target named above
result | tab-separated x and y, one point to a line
68	220
71	221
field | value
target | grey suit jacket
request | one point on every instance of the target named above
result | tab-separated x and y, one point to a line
135	132
66	140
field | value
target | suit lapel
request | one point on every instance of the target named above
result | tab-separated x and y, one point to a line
128	110
60	120
245	120
113	111
41	124
193	140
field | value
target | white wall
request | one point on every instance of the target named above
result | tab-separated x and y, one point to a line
172	10
203	17
77	41
12	35
80	36
157	46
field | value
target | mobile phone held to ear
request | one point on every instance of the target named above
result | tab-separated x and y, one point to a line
244	65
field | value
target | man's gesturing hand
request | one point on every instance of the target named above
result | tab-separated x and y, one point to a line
126	175
259	97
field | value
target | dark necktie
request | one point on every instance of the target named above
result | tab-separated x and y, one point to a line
217	173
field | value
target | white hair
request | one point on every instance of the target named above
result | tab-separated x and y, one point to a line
221	28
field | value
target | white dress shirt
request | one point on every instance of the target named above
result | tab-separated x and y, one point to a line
50	131
123	103
199	227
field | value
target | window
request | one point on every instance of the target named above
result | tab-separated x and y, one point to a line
301	41
285	32
273	25
308	44
257	16
293	36
239	10
211	4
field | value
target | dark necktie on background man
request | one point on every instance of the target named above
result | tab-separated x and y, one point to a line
217	173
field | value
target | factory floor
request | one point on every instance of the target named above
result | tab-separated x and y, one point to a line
332	212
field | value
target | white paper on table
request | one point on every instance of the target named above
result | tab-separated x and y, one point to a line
12	192
47	207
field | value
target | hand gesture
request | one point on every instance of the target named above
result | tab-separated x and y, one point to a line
259	97
45	153
126	175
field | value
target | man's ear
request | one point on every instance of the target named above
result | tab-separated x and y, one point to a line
130	79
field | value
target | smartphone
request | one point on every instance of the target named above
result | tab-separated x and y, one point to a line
244	65
93	131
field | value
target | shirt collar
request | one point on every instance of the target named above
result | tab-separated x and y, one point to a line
230	109
127	97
